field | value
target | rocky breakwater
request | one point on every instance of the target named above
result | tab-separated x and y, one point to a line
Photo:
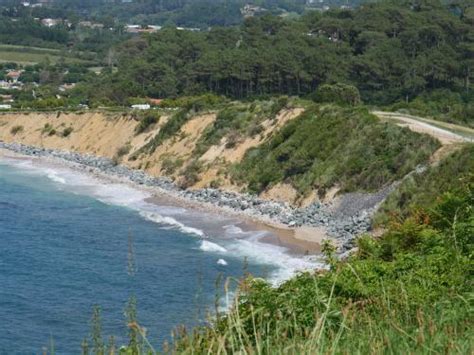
340	223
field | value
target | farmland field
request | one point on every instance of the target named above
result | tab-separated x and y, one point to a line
33	55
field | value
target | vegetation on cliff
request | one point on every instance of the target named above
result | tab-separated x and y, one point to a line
420	190
329	145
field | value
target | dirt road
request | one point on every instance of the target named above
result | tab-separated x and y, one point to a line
446	133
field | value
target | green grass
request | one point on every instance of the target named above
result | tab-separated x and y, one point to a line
34	55
330	145
420	190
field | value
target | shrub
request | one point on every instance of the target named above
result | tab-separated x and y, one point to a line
341	94
16	129
191	174
420	190
67	131
278	105
170	165
146	122
195	103
123	150
47	128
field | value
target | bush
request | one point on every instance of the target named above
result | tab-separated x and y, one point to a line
67	131
341	94
195	103
191	174
47	128
169	165
16	129
123	150
420	190
146	122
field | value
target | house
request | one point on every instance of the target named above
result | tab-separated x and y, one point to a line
250	10
5	107
140	29
141	107
50	22
14	75
154	102
6	98
66	87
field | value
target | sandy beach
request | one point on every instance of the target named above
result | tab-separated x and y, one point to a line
304	240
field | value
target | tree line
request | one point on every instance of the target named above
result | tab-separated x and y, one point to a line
389	51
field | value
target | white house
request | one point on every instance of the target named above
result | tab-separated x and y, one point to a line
141	107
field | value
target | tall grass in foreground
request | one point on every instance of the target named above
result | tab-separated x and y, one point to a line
408	292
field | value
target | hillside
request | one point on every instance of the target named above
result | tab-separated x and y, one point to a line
237	146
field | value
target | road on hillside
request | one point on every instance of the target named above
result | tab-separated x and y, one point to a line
422	125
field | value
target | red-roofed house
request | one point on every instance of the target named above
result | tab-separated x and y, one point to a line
13	75
155	102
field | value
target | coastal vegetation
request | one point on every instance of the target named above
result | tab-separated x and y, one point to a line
420	190
328	146
147	121
408	291
16	129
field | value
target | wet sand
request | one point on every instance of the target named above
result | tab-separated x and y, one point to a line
299	241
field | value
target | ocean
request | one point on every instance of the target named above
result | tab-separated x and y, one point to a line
69	241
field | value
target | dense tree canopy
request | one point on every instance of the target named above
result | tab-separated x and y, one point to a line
389	52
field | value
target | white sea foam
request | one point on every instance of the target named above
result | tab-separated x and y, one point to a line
263	253
212	247
222	262
233	229
238	243
157	218
53	175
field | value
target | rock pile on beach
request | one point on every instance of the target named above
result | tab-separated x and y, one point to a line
350	219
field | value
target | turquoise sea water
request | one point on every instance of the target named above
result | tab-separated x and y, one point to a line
65	242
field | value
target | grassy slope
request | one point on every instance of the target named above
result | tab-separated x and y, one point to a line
330	145
419	191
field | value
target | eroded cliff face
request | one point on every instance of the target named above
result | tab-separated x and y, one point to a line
112	135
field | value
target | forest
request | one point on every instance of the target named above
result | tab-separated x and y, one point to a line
188	13
392	53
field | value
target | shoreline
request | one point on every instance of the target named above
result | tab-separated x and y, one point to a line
299	229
